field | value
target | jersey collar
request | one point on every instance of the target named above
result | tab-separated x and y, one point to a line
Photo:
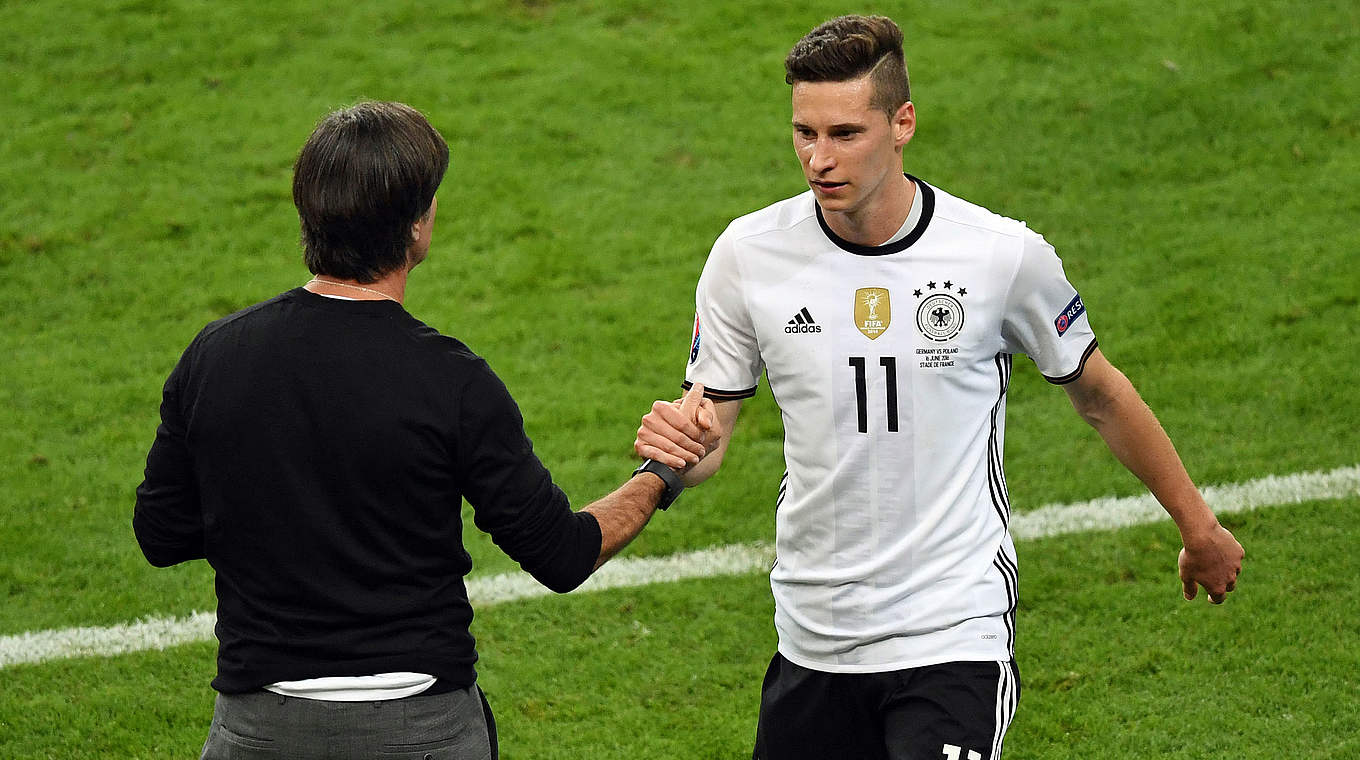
897	246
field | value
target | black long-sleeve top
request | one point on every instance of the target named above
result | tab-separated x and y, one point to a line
316	452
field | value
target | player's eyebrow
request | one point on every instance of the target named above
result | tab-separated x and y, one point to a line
848	127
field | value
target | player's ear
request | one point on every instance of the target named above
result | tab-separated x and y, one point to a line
904	123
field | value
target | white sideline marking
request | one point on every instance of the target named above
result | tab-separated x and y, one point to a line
733	559
1109	512
736	559
151	633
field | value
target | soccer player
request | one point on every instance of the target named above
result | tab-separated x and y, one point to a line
885	313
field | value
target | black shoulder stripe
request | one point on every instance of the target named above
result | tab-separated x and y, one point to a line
721	395
1081	367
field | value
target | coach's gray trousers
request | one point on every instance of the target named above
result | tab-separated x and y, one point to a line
452	726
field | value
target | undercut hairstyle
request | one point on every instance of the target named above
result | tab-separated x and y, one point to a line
365	175
849	47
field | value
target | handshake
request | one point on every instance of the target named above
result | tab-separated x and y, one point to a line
683	442
683	433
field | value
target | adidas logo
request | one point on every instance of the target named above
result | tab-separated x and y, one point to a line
802	323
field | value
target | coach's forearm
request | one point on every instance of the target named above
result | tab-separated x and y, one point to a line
625	512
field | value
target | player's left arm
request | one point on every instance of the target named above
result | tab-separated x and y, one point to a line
1105	398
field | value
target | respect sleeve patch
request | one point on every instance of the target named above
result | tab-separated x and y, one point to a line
1069	315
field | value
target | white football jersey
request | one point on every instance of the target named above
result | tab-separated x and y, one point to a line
890	366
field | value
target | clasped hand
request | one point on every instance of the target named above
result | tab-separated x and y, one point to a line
678	433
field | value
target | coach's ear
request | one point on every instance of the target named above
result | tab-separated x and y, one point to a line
420	225
904	124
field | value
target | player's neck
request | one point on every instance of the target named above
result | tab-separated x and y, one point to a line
875	222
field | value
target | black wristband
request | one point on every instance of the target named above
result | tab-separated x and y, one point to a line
674	485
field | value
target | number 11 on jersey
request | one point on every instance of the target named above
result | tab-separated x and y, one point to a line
889	364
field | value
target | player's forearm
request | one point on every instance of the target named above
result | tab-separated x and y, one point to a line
698	473
725	421
1138	441
624	513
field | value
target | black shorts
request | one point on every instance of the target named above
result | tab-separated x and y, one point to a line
951	711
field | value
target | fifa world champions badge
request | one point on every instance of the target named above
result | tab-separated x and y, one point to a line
873	311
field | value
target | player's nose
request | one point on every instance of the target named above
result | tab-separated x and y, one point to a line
822	157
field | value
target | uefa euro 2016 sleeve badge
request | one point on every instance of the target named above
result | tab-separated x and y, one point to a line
873	311
1075	308
939	315
694	343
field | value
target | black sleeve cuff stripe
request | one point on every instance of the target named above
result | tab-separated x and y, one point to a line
721	395
1081	367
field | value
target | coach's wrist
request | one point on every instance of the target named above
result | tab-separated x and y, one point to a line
671	481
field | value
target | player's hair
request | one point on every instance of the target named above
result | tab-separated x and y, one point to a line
365	175
849	47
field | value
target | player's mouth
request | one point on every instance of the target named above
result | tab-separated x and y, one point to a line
827	187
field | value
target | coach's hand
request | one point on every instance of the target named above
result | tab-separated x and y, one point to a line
678	433
1213	562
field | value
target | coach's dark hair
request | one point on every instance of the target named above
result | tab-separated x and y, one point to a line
363	178
848	47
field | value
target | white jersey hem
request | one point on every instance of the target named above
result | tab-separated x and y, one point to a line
973	640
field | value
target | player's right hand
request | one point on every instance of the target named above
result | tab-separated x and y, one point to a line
678	433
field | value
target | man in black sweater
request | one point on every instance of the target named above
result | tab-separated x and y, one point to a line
316	448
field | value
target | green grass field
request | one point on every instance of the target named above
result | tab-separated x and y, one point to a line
1195	166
